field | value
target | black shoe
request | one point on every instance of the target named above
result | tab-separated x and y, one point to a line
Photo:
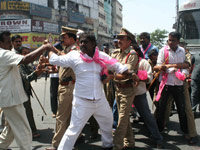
193	140
159	146
94	136
80	140
107	148
128	148
140	119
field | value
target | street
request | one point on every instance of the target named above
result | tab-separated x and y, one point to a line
173	138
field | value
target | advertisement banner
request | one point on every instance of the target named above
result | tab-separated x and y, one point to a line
3	6
37	26
47	27
50	27
15	5
35	40
23	25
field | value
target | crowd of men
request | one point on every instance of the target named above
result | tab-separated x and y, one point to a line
101	87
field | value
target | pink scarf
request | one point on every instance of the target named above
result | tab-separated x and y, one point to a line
144	51
102	62
180	75
164	76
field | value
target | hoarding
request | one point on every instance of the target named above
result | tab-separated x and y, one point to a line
15	5
35	40
23	25
42	26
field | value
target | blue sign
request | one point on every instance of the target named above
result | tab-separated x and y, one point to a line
76	17
41	11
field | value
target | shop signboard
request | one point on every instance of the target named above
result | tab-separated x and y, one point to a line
41	11
12	15
47	27
14	5
35	40
76	17
23	25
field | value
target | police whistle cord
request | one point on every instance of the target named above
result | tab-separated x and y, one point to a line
38	100
45	86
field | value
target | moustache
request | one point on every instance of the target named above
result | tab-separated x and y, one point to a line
82	47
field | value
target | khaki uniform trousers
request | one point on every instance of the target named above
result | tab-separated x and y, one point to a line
16	127
188	110
63	114
124	134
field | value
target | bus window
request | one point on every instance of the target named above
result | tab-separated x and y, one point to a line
189	26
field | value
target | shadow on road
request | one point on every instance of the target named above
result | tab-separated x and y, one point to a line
46	136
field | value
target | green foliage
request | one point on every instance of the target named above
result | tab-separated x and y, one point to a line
158	37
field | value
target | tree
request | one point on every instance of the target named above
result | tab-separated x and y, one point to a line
158	37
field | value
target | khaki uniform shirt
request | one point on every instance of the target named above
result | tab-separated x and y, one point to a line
188	58
132	61
67	72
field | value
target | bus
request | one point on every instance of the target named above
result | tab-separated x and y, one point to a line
188	24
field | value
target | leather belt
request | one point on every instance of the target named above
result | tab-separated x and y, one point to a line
67	83
90	99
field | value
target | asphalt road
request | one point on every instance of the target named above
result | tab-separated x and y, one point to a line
173	138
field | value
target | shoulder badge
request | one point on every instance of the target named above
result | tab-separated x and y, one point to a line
73	47
132	52
116	51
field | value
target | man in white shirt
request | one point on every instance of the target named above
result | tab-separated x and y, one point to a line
172	86
89	97
12	94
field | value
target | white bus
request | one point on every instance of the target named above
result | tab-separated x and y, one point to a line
188	24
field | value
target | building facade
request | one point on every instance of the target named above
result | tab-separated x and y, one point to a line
116	17
35	19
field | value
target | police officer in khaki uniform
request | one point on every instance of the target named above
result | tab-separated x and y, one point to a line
65	89
125	94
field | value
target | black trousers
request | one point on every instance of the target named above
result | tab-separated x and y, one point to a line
54	82
29	114
178	95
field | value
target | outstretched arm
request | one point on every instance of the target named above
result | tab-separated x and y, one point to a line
35	54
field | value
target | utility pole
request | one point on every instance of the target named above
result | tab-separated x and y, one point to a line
60	14
177	9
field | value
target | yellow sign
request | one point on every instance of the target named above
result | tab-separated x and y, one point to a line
3	5
35	40
15	5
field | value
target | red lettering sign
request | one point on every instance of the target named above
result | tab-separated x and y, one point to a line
24	38
38	39
190	5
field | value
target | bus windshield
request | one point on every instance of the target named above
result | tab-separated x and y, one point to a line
189	26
